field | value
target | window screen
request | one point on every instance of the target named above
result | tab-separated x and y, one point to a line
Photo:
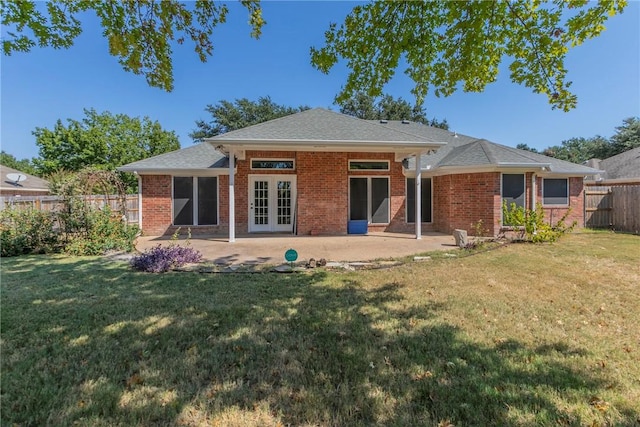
513	189
555	191
379	200
182	200
207	200
425	201
358	199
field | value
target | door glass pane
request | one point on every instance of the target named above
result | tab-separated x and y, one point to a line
284	203
379	200
358	199
261	202
183	200
207	200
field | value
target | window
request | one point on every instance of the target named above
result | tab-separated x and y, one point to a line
513	190
425	199
277	164
195	200
555	191
367	165
369	199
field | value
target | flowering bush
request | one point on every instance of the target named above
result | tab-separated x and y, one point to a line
160	259
27	231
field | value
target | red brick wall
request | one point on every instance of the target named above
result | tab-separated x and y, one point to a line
322	194
460	201
156	204
576	203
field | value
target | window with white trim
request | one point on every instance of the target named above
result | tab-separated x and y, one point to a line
195	200
368	165
369	199
555	192
273	164
425	200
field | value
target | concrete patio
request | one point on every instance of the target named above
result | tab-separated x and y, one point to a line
270	249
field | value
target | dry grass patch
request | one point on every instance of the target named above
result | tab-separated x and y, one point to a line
523	335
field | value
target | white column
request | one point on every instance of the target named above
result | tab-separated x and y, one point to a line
533	192
139	202
232	197
418	197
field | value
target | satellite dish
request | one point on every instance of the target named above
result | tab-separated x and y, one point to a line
16	177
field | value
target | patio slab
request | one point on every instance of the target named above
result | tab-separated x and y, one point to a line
270	249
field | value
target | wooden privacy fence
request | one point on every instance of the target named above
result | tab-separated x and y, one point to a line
54	203
612	206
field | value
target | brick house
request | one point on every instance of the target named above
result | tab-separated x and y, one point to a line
320	172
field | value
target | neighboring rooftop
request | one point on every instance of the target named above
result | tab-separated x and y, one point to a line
621	166
29	183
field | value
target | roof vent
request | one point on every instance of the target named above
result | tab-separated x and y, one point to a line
405	122
383	121
455	134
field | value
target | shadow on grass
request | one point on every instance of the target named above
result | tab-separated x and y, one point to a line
90	342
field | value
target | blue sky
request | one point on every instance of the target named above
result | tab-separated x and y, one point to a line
46	84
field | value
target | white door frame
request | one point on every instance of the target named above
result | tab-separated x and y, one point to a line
272	203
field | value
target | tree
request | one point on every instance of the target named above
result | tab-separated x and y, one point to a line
367	107
101	140
526	148
228	116
23	165
452	44
140	32
444	43
627	136
579	150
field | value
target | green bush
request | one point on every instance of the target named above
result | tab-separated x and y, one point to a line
27	231
533	227
97	231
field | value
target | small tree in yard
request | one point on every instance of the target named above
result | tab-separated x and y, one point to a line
531	224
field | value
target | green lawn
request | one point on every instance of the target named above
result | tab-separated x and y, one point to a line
523	335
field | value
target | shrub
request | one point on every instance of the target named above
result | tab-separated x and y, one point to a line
160	259
27	231
101	231
532	224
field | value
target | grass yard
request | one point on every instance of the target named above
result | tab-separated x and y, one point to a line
525	335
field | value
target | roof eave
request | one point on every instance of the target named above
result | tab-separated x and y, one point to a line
175	171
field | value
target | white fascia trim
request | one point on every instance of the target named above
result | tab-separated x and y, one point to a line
179	172
456	170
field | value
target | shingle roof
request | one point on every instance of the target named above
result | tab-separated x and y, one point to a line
32	183
324	125
466	151
318	124
199	156
623	165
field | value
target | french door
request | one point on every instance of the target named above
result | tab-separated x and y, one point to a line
271	203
